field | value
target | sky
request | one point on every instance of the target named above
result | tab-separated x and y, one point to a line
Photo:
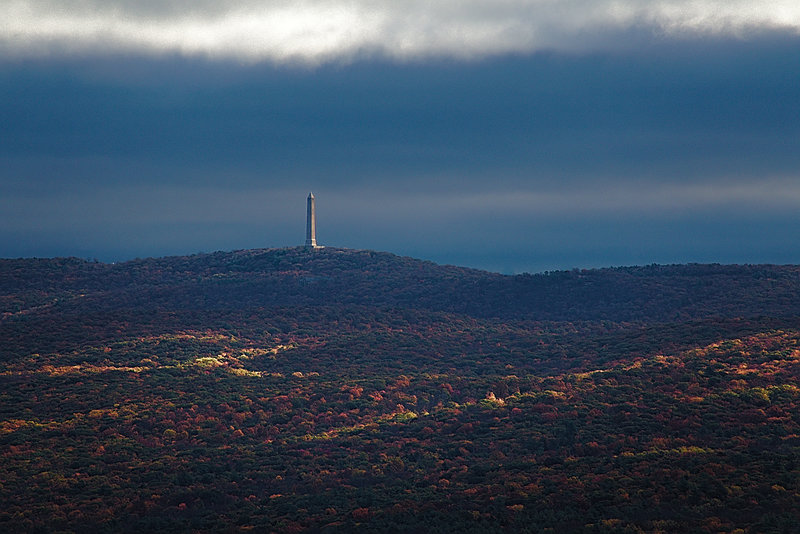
507	135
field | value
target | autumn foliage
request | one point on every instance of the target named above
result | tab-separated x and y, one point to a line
292	390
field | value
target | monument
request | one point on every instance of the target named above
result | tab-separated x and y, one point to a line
311	223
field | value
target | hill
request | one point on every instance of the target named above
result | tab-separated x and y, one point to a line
303	390
305	277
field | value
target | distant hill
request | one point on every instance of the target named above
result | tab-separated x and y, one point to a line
332	277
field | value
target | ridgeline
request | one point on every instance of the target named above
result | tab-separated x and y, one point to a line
333	277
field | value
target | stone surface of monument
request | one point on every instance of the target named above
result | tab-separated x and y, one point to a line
311	223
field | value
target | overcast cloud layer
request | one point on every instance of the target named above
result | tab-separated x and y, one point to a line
314	31
579	133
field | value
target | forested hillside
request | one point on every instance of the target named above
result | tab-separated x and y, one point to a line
295	390
302	277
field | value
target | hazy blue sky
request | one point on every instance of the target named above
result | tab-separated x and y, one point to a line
513	135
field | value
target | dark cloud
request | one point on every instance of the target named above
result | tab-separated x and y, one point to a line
604	158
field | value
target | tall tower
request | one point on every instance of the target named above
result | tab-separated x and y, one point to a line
311	223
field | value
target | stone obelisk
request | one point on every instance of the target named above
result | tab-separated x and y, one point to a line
311	223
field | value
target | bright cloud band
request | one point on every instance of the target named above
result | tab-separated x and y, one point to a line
322	30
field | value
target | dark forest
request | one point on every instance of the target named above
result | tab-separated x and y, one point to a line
292	390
